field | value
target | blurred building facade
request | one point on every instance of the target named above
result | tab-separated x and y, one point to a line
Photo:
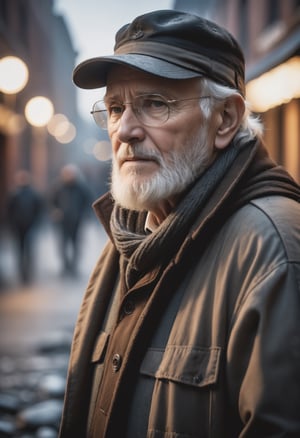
31	31
269	33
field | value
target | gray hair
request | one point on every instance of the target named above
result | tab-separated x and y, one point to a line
251	126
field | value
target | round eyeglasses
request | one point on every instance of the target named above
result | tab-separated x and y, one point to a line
152	110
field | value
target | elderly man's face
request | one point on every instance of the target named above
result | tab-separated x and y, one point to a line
151	165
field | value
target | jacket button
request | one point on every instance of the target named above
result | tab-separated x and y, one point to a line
129	307
116	362
198	379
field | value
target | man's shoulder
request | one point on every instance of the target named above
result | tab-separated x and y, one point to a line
280	210
271	218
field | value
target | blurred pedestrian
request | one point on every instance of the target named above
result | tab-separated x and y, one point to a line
24	210
70	200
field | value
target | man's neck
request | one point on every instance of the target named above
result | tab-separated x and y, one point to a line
160	211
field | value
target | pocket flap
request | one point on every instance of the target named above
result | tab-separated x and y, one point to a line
100	347
194	366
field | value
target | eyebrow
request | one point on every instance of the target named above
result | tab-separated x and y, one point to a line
108	97
116	96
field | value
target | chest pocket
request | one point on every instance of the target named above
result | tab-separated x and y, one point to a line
195	366
184	380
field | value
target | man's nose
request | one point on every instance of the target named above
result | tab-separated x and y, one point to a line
129	126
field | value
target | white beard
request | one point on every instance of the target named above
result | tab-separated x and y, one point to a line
175	174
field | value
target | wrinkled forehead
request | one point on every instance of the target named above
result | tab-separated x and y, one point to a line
121	77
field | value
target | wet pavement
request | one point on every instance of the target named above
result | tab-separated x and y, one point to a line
36	325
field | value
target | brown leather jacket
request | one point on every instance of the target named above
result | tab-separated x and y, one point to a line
228	365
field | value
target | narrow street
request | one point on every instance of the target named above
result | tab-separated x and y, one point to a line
29	314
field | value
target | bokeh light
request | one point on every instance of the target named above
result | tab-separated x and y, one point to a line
67	133
102	150
38	111
13	74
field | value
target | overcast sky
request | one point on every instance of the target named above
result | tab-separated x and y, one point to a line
93	24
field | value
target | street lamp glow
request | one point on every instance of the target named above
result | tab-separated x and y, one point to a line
13	75
38	111
276	87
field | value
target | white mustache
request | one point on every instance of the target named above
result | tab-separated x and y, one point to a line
129	152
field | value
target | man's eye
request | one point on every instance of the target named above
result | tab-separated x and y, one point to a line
156	103
115	109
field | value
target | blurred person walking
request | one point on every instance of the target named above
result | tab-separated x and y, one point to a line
70	200
24	211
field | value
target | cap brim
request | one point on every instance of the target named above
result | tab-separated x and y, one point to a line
92	73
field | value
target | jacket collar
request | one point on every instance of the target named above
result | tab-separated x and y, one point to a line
103	208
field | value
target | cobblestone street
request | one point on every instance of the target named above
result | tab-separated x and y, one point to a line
36	325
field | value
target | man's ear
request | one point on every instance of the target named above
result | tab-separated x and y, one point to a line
230	117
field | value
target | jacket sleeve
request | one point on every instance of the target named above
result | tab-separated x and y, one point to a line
264	355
